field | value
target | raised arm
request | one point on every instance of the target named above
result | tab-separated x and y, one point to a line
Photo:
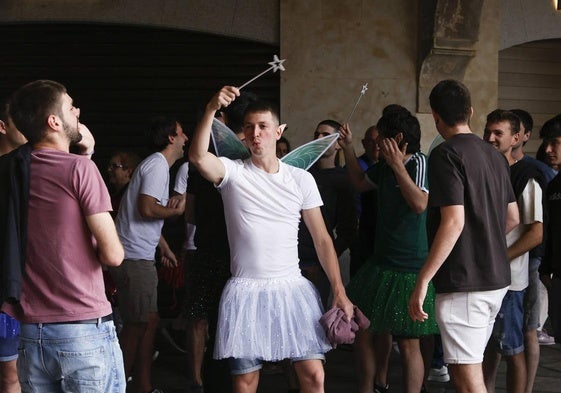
87	144
357	176
327	257
416	198
109	249
210	167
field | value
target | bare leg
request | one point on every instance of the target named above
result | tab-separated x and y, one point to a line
412	364
427	351
310	375
516	373
246	383
532	351
197	333
363	351
129	339
467	378
491	362
143	371
9	382
383	345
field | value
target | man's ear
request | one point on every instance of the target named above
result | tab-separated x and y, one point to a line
129	173
398	138
515	138
54	122
2	127
281	128
435	117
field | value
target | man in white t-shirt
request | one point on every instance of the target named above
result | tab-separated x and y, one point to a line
141	216
503	131
268	311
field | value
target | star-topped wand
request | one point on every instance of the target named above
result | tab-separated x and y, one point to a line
364	88
276	64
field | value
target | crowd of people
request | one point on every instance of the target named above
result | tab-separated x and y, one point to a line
452	255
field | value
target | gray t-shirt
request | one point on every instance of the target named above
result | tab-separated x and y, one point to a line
140	235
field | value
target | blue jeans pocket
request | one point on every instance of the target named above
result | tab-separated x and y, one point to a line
83	371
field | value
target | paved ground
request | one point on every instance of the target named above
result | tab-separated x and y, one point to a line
170	373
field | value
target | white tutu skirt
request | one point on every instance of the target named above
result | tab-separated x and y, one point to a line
269	319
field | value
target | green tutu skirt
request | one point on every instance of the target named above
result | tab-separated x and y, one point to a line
382	294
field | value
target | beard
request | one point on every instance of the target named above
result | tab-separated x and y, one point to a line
72	132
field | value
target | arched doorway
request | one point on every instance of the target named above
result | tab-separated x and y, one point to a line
530	79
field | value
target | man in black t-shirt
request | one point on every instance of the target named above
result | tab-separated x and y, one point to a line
471	207
550	269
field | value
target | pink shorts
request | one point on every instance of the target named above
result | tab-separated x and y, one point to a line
466	322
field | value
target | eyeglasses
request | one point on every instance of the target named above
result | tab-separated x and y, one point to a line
112	166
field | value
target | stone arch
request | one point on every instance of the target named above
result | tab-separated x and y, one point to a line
256	20
525	21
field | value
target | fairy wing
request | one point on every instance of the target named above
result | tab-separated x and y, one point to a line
226	143
435	142
306	155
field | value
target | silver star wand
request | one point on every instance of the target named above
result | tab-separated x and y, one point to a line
276	65
364	88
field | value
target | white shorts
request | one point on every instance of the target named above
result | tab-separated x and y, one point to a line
466	322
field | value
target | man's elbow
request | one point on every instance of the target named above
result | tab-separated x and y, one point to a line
538	233
146	209
419	208
195	158
113	257
455	226
144	212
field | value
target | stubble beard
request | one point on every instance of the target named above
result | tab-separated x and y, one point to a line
72	133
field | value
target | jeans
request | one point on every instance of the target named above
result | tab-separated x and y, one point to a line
70	358
508	330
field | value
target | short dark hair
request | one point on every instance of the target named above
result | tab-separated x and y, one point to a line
331	123
262	106
394	122
394	108
500	115
159	131
451	100
525	119
32	104
551	128
235	111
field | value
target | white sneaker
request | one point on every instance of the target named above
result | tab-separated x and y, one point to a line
439	374
544	338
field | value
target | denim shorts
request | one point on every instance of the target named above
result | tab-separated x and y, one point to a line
246	366
532	301
68	357
8	348
508	335
9	338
